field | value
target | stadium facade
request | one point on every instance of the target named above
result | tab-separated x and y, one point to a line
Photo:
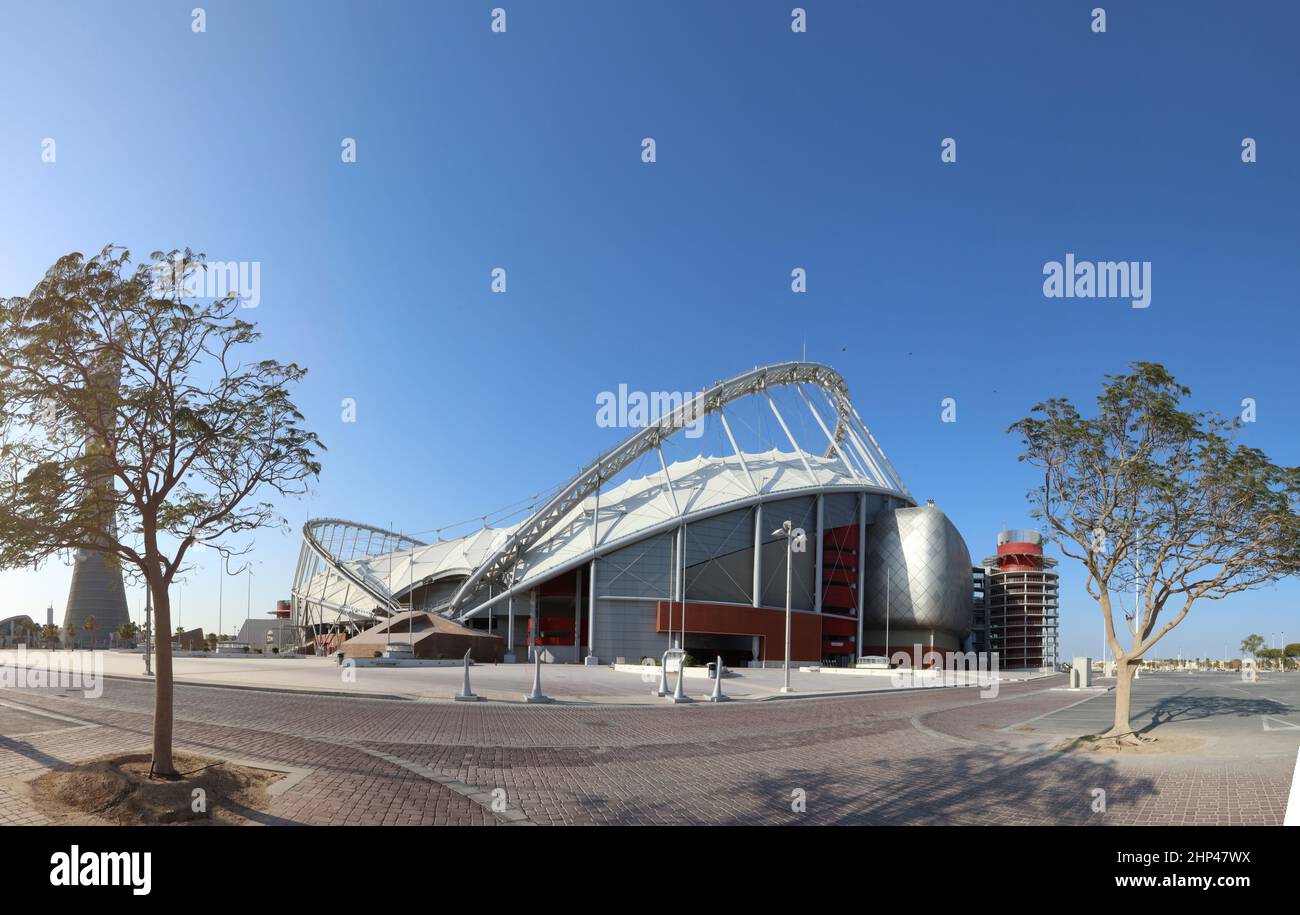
673	540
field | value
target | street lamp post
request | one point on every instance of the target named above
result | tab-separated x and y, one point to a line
148	615
794	542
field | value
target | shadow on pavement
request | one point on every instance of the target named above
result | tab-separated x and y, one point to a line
970	787
959	787
1191	707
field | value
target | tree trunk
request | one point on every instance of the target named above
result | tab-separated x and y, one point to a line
162	696
1121	729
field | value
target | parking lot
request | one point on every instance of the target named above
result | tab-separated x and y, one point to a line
1231	716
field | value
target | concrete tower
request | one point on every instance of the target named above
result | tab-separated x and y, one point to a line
97	587
97	590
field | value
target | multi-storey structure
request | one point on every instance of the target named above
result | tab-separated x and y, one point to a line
1016	603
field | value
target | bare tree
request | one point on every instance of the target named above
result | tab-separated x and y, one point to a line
130	425
1157	502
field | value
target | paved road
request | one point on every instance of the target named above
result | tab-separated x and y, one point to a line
934	756
1231	718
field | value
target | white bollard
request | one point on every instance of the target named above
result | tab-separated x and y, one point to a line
717	696
679	695
537	695
663	681
466	694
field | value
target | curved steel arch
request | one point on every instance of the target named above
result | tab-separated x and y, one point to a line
849	429
338	564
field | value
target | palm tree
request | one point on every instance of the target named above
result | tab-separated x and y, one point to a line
70	636
90	625
126	632
49	632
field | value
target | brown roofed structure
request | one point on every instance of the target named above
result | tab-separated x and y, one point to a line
431	637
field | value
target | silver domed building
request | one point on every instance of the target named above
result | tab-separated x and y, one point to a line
918	583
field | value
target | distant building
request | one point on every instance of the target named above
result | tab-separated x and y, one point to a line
254	633
190	640
1016	603
97	588
14	630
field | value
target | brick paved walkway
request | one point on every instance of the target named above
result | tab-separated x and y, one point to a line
934	756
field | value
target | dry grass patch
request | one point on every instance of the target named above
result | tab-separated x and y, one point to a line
1149	746
117	790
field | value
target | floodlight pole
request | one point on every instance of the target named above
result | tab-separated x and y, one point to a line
148	611
789	563
787	530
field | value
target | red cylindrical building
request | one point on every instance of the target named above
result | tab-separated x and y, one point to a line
1021	602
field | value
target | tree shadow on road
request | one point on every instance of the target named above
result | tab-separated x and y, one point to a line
968	787
1193	707
26	750
958	786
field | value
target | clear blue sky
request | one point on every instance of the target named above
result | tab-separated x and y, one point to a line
775	150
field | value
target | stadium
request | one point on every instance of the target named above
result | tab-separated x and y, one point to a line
671	538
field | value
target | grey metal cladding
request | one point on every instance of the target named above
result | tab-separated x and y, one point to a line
840	510
643	569
720	557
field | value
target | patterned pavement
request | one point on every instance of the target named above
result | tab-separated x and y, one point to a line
924	757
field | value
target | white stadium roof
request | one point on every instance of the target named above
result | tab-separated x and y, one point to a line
632	491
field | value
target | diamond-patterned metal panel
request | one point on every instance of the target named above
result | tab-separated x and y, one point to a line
922	556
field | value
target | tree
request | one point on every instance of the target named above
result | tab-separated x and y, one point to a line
130	424
126	632
49	632
1251	645
90	625
1147	494
70	636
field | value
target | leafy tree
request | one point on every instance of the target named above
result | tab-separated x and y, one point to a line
90	625
131	424
127	631
1145	493
1251	645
